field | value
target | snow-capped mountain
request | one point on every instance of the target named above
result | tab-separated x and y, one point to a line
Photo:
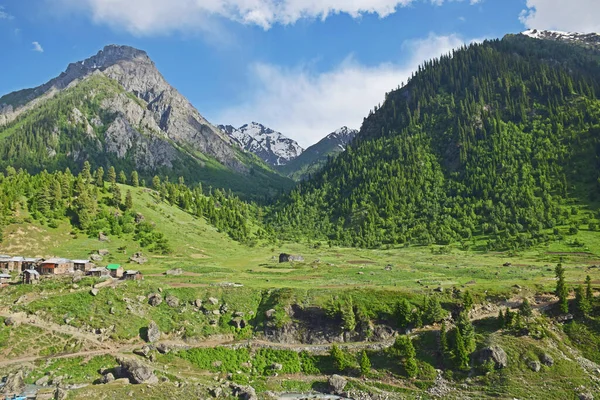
271	146
315	157
589	39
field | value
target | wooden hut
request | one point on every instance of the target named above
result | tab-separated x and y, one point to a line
4	280
82	265
98	272
56	266
30	276
133	276
30	263
14	263
116	271
4	261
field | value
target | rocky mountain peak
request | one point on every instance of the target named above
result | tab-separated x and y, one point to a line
271	146
588	39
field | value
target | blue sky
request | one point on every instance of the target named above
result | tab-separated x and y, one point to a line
303	67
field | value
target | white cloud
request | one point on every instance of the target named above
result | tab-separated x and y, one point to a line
306	105
145	17
572	15
4	14
37	47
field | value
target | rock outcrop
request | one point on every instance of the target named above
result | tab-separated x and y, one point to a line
496	354
137	371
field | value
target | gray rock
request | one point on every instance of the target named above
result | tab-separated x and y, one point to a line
547	360
276	367
238	322
496	354
14	384
155	299
216	392
144	351
270	313
198	303
337	384
61	393
94	292
585	396
43	381
10	321
283	258
137	371
103	238
138	258
96	257
163	348
108	378
535	366
216	312
172	301
213	301
243	392
153	332
217	364
103	252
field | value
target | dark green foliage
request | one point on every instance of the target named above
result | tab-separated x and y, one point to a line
525	309
589	292
461	355
404	349
467	300
404	314
501	320
493	139
434	312
342	362
467	332
582	303
135	179
561	289
364	363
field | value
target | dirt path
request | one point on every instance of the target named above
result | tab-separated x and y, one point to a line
33	320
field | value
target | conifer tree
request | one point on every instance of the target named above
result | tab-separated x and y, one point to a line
589	292
135	179
561	289
112	175
100	177
122	177
128	201
581	302
364	363
525	309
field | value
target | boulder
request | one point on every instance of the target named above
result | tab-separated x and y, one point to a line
496	354
138	258
216	392
213	301
96	257
283	258
102	237
198	303
10	321
270	313
155	299
43	381
153	332
108	378
238	322
137	371
61	393
103	252
585	396
547	360
337	384
276	367
77	277
217	364
94	292
14	384
244	392
143	352
535	366
172	301
163	348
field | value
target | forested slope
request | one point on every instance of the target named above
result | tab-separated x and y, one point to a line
496	138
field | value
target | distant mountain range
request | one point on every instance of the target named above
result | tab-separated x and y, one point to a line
272	147
285	154
587	39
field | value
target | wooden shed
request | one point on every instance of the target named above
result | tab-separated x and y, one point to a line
14	263
98	272
116	271
133	276
30	276
30	263
82	265
4	261
56	266
4	280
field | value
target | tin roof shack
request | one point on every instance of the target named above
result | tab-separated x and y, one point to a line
56	266
116	271
14	263
30	277
98	272
82	265
30	263
133	276
4	280
4	261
